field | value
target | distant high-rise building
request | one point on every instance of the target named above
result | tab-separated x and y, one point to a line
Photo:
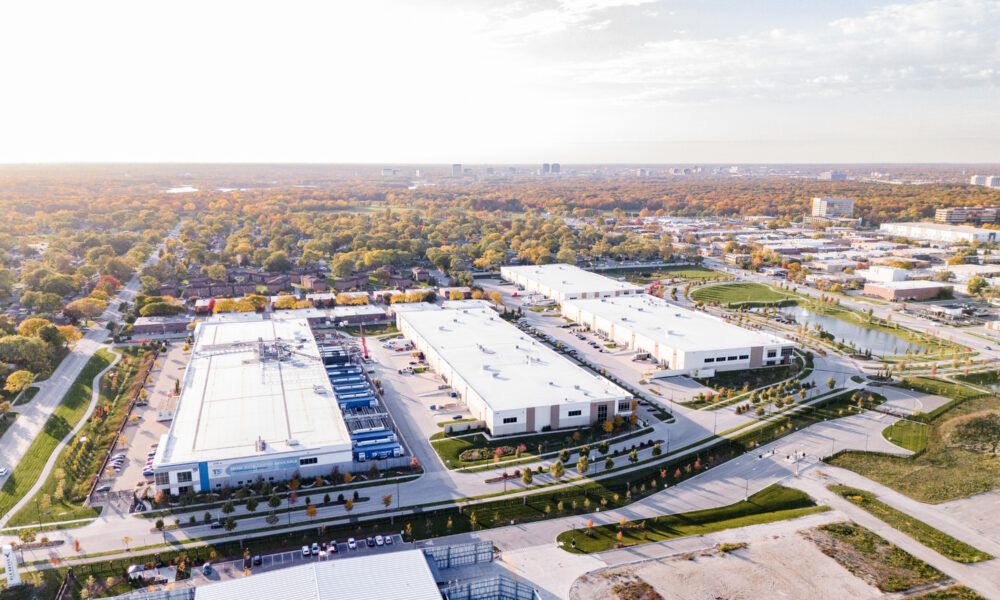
832	176
833	207
386	172
416	173
993	181
456	170
977	180
489	170
555	168
546	167
467	172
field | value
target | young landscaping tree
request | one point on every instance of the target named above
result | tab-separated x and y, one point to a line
252	503
633	456
228	508
271	518
311	510
526	476
831	383
608	427
387	500
229	524
208	517
557	470
582	465
608	464
349	505
274	501
657	450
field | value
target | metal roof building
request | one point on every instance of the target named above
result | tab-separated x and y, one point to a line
567	282
679	339
255	402
404	575
508	379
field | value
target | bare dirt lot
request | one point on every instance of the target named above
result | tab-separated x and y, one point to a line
786	567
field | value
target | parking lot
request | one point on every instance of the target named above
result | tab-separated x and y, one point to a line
279	560
410	396
143	434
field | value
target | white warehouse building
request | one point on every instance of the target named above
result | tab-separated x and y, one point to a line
684	342
939	232
507	379
255	402
561	282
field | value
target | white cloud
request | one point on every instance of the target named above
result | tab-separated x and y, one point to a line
933	44
516	20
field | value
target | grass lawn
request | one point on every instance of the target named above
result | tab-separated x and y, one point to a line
5	424
69	412
941	472
740	293
936	540
370	330
28	395
870	557
775	503
85	458
955	592
907	434
450	448
983	378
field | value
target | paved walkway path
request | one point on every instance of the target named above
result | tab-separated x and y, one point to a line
983	577
95	396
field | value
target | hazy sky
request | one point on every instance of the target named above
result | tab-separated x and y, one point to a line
477	81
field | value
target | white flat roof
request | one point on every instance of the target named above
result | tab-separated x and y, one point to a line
569	279
938	227
507	368
404	575
673	326
232	395
358	309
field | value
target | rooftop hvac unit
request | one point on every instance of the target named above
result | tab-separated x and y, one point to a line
260	445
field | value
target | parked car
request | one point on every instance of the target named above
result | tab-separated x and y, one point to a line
305	550
370	541
258	561
333	547
315	548
388	540
103	488
217	525
352	544
379	541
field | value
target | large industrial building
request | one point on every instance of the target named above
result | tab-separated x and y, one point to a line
405	575
507	379
682	341
256	401
939	232
561	282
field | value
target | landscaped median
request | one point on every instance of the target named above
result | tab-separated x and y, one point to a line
475	449
65	417
935	539
775	503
